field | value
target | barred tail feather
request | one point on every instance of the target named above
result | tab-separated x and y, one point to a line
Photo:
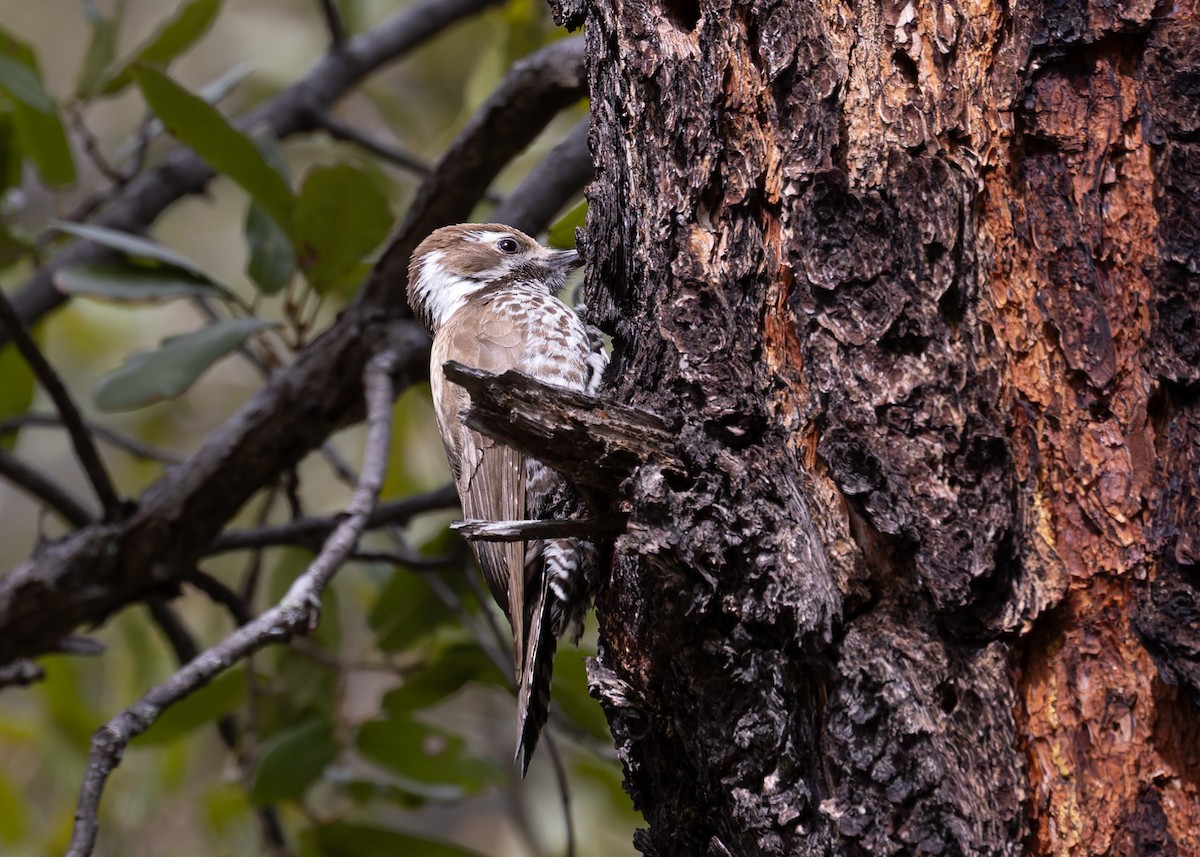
533	694
555	564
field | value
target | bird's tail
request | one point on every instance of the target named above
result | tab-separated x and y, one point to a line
557	563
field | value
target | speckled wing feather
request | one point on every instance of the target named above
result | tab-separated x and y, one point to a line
517	327
489	475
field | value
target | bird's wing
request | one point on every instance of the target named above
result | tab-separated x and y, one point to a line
490	476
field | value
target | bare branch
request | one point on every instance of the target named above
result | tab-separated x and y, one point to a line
180	515
564	793
407	559
221	594
126	442
297	614
20	672
333	22
81	440
136	205
308	531
595	441
535	90
87	575
56	497
560	177
392	154
91	148
606	526
183	644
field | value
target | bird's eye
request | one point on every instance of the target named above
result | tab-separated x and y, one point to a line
508	245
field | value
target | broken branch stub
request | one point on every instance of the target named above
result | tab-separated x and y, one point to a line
596	442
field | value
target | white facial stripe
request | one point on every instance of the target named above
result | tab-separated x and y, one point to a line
442	292
487	237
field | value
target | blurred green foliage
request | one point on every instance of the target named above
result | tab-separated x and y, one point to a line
390	731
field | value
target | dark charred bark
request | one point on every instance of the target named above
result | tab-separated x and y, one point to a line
919	286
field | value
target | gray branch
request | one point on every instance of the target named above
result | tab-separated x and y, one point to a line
560	177
535	90
307	531
296	615
81	440
28	478
130	444
139	203
102	568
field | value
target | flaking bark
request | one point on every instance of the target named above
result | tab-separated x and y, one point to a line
918	284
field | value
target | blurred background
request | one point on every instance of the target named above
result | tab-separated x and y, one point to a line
391	731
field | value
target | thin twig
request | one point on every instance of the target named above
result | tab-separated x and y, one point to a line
297	614
534	91
99	199
307	531
557	179
126	442
91	147
81	439
560	774
183	644
337	463
252	575
392	154
181	172
407	559
221	594
22	672
34	482
606	526
333	22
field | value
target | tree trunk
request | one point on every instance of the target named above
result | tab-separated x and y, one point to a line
917	286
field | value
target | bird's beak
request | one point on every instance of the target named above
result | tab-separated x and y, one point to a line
564	261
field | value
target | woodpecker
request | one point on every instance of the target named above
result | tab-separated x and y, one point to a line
488	295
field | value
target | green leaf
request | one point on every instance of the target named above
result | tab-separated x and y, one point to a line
13	812
272	261
570	693
16	393
10	150
441	676
405	612
341	216
21	82
200	126
65	707
133	283
44	141
430	762
364	792
291	760
177	34
102	48
562	233
221	696
130	245
341	839
35	115
12	248
152	376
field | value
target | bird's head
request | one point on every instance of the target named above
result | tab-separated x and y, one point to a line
456	263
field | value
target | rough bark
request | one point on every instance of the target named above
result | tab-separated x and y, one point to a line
919	285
